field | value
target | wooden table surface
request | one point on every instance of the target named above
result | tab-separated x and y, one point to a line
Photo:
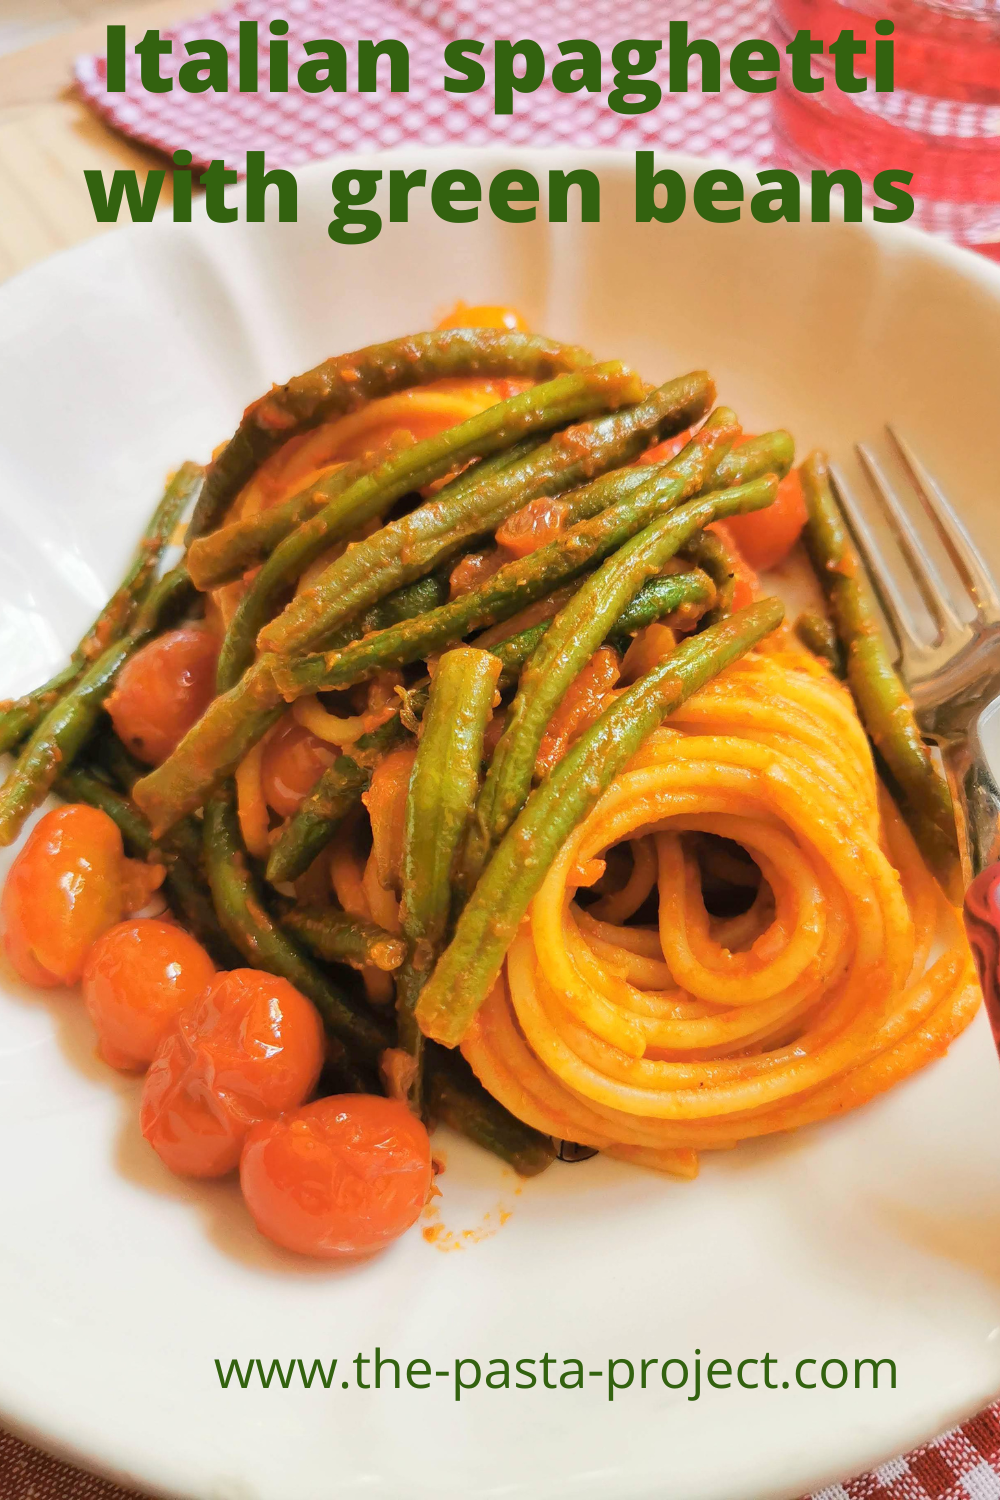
48	135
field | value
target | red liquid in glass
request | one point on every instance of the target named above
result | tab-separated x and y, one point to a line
837	133
943	53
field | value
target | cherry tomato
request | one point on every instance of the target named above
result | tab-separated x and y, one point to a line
138	977
484	315
340	1177
531	527
472	571
292	763
64	889
765	537
249	1048
582	703
163	689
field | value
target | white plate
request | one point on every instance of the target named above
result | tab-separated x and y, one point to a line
875	1236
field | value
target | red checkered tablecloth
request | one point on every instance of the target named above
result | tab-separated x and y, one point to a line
294	128
964	1464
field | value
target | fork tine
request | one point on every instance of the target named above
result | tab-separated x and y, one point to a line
954	537
933	589
893	602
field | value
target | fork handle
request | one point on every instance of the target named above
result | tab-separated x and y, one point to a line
977	802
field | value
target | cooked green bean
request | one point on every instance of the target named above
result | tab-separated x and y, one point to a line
241	910
188	895
336	793
349	381
313	614
819	635
517	583
711	554
439	804
234	722
882	701
570	641
335	520
471	962
64	729
689	593
210	751
686	595
226	554
458	1099
473	505
335	936
771	453
306	834
19	717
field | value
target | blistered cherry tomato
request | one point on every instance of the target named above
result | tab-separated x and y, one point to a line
484	315
163	689
251	1047
765	537
533	526
64	889
340	1177
138	977
292	763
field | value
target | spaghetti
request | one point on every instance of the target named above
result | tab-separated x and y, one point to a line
655	1043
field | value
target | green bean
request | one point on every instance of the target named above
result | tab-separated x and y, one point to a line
335	936
473	505
570	641
234	722
336	793
406	603
118	763
310	617
711	554
226	554
515	651
19	717
186	891
517	583
349	381
65	728
110	756
458	1099
883	704
244	917
687	594
819	636
471	962
307	833
210	751
771	453
439	803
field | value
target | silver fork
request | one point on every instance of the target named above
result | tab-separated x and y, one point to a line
952	675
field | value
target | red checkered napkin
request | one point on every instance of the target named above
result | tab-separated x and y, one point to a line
295	127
